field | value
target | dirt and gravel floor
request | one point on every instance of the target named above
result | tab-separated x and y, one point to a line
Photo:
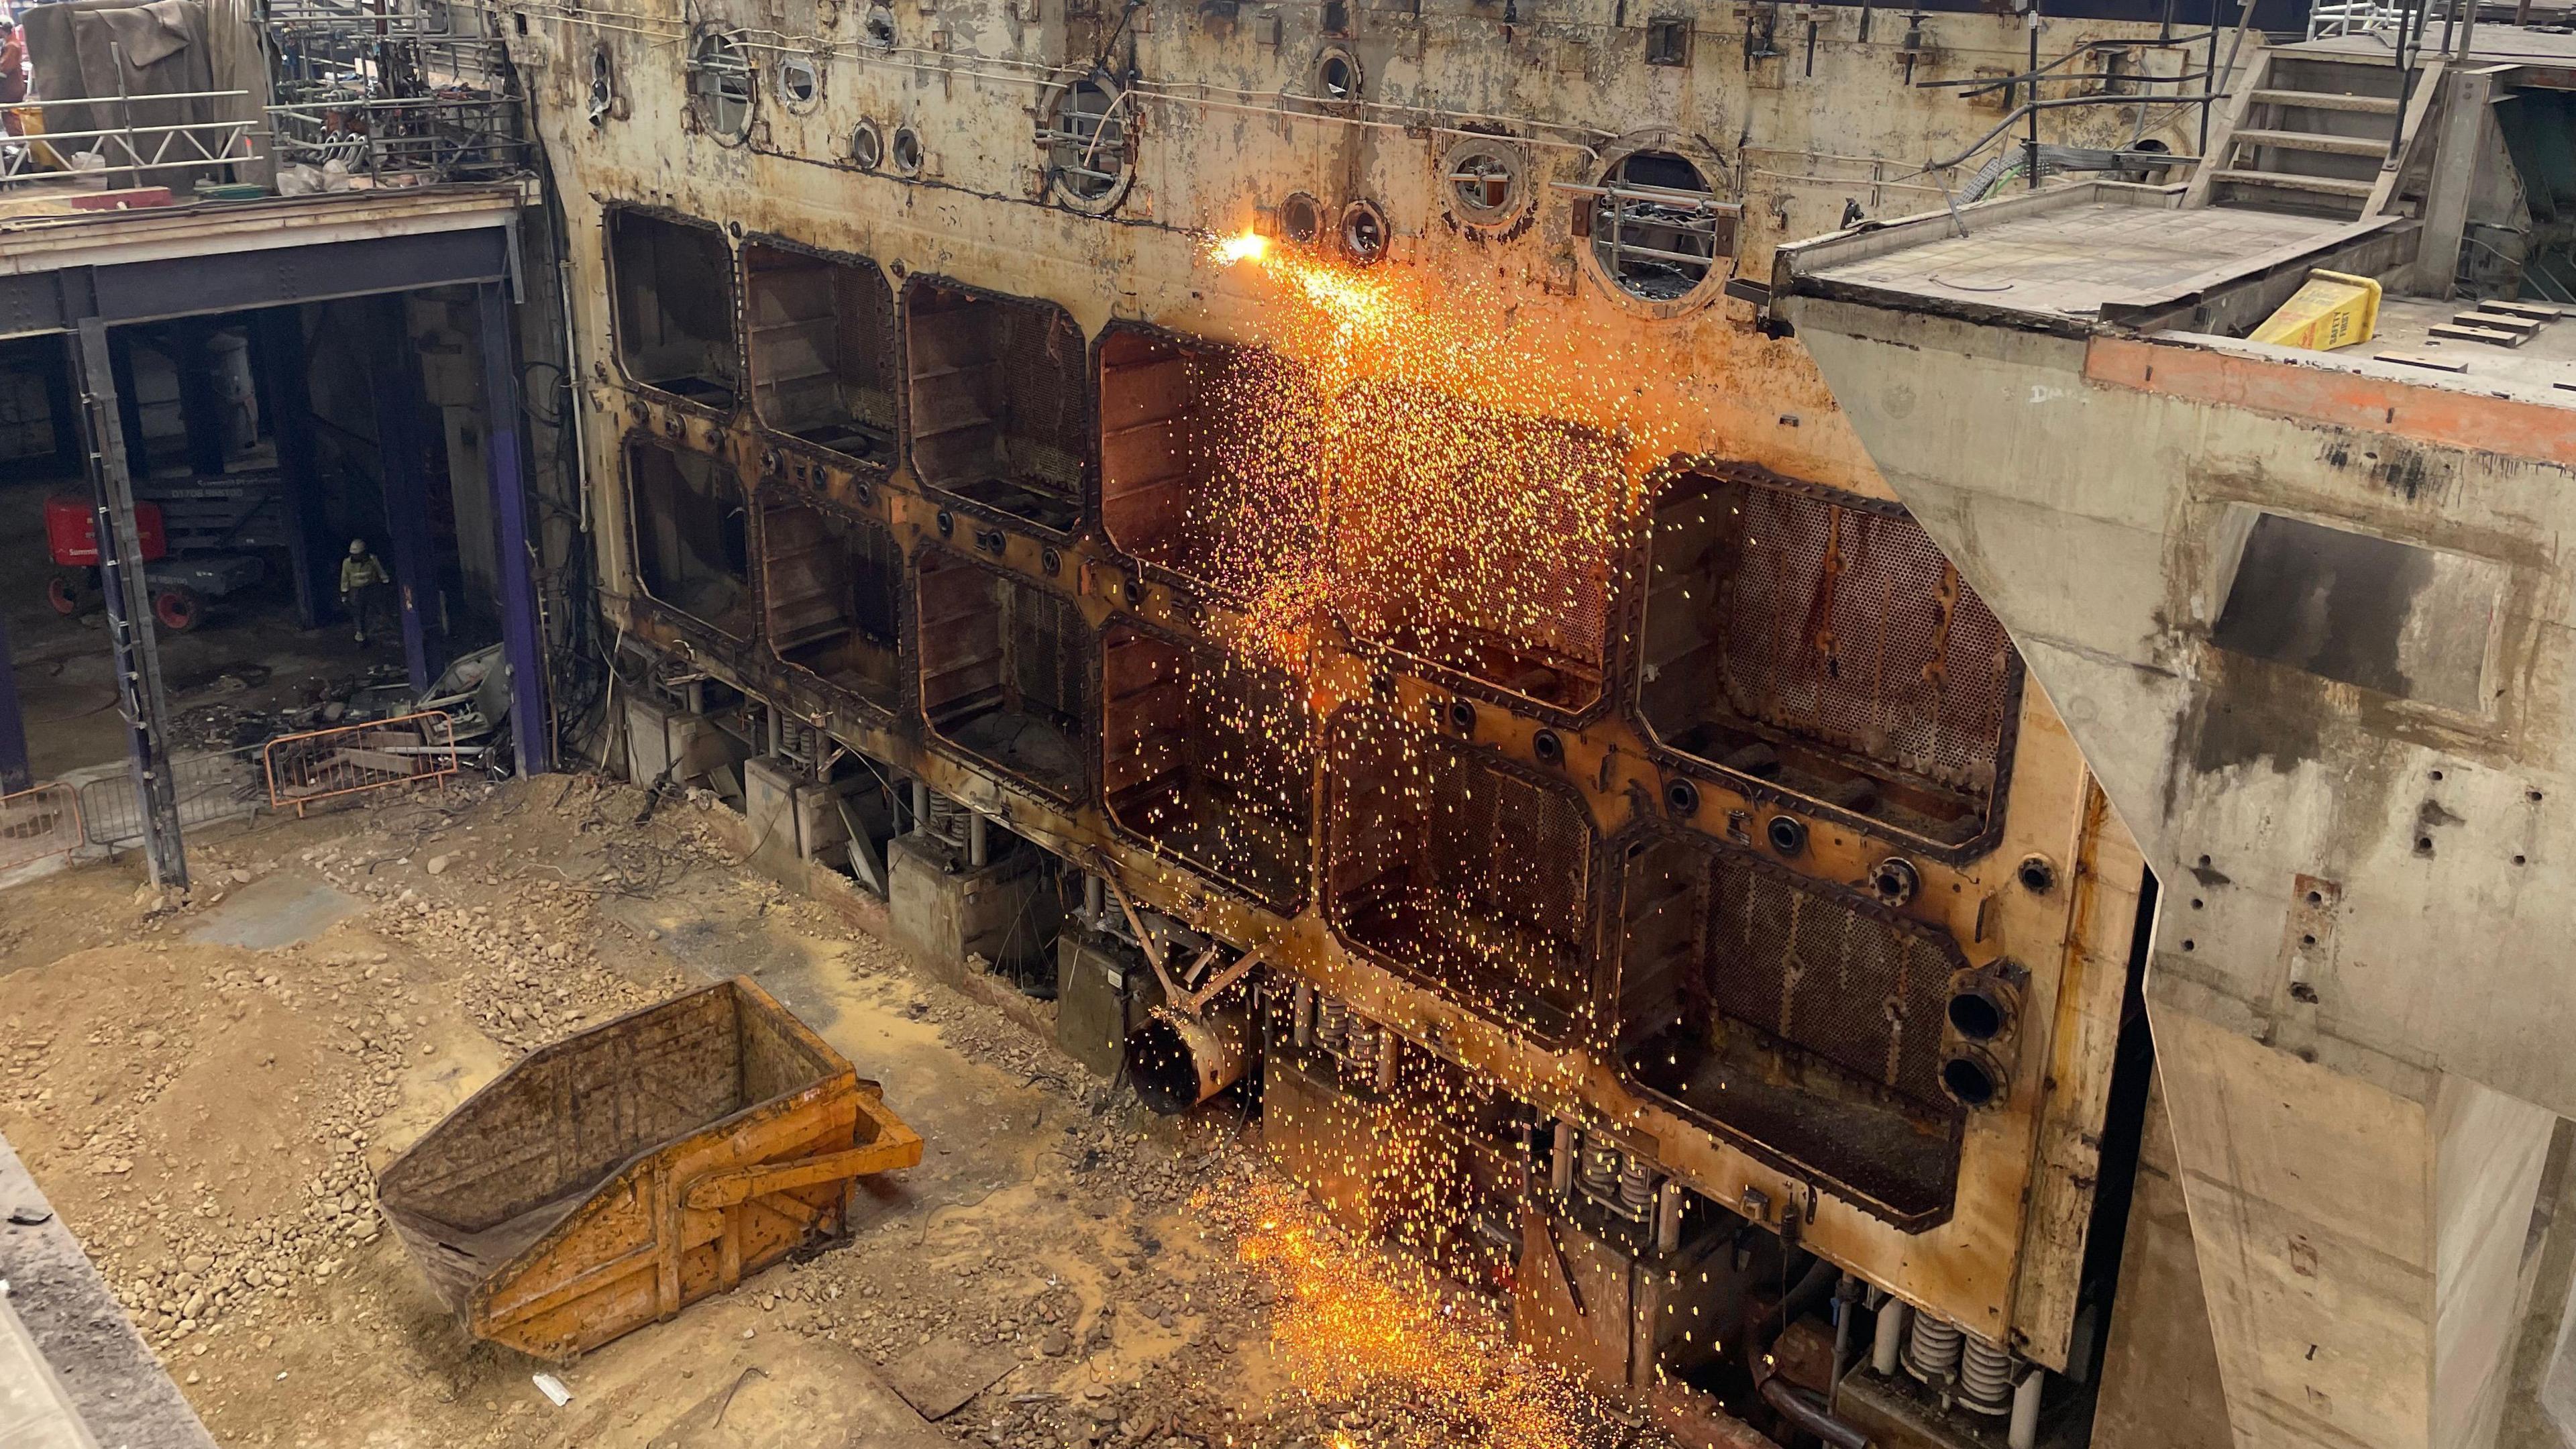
206	1089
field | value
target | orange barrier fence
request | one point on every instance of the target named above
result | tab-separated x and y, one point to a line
346	760
37	823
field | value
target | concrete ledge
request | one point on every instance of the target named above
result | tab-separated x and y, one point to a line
65	1314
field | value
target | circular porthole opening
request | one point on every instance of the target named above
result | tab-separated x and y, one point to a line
1549	749
1969	1081
603	86
1972	1081
1484	183
1301	219
720	85
1787	834
1363	232
1977	1015
2038	874
867	146
800	83
1337	75
1895	880
877	29
1086	145
1462	716
1681	797
907	151
1658	228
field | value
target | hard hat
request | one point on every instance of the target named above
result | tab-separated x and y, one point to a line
357	546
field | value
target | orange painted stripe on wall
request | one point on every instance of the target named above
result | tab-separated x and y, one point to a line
2344	399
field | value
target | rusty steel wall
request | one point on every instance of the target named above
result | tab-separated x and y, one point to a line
920	152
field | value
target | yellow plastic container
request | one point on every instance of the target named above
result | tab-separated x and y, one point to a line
2333	310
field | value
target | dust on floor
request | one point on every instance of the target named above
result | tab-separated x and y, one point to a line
206	1092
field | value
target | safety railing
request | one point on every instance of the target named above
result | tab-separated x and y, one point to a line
394	142
319	765
39	823
204	788
2328	19
42	147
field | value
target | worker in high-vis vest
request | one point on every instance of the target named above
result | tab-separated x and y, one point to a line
363	584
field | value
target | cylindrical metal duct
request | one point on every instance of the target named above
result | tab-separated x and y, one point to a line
1177	1062
1985	1379
1560	1164
1668	1219
1932	1350
1891	1336
1388	1046
1301	1020
1095	903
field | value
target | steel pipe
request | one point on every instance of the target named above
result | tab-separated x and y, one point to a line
2024	1432
1883	1349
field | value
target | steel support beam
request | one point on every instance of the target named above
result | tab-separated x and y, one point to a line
2464	119
14	772
522	635
129	412
129	611
201	407
277	335
402	467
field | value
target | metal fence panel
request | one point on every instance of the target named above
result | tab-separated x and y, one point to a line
37	823
208	787
305	768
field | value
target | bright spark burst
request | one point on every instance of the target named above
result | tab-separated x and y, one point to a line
1248	247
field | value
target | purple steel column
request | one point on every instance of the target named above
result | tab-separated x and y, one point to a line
401	466
522	640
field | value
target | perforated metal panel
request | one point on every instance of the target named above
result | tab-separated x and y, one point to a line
1443	861
1846	623
1820	973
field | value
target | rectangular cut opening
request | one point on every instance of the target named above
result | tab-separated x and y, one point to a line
1756	1000
673	284
1210	462
2393	618
822	350
1825	645
829	583
692	535
1005	672
1450	866
1000	413
1208	757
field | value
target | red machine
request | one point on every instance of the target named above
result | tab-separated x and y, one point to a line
71	535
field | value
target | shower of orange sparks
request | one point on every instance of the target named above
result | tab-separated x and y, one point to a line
1348	1319
1401	459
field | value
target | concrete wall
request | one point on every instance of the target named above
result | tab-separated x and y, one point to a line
2359	987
